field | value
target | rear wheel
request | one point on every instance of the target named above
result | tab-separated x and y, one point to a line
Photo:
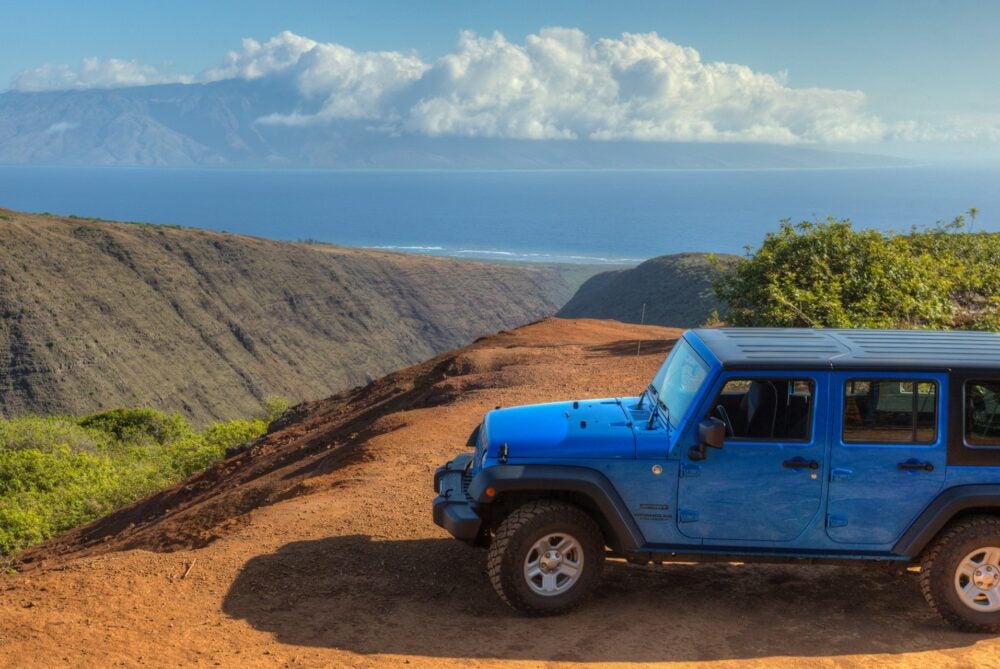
960	574
546	557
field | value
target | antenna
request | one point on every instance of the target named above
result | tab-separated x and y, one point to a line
642	321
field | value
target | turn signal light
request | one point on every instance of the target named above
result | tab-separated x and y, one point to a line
491	492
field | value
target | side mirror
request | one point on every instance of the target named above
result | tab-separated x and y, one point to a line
712	432
697	452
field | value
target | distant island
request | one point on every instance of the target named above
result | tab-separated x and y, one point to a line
219	125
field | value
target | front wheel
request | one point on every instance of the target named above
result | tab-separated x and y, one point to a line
960	574
546	557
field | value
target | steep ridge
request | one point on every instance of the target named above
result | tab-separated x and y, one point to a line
95	314
675	289
315	548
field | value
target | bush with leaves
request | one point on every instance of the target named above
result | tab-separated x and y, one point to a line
138	425
60	472
274	407
829	274
47	433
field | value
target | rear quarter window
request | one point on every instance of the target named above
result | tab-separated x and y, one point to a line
982	414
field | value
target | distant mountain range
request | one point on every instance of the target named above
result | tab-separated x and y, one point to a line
218	124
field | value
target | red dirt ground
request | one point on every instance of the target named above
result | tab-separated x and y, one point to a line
315	547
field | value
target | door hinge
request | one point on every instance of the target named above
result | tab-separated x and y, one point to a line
833	520
690	471
687	516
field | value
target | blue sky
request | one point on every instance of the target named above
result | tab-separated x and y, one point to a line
919	61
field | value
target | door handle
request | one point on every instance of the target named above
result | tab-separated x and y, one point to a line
800	463
916	465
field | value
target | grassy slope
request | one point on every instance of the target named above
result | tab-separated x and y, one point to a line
677	291
96	314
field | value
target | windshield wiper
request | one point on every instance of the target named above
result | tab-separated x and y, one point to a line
642	398
654	413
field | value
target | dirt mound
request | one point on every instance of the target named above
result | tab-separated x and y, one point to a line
315	547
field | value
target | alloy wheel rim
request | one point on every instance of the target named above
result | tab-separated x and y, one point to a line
977	580
553	564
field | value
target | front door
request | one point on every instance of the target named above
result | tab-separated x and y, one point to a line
888	456
766	483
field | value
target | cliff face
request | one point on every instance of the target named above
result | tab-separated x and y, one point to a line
96	314
676	289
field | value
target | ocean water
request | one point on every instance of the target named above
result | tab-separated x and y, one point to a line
605	217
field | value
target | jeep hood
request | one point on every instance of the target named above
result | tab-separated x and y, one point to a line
580	429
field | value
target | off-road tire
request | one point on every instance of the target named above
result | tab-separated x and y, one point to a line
516	536
938	568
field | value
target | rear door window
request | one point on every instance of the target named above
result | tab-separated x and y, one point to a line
890	411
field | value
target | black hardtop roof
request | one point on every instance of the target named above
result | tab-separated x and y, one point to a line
887	350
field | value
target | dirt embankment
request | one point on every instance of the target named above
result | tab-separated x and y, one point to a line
315	548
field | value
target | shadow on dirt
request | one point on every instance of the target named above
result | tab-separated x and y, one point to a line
431	597
633	347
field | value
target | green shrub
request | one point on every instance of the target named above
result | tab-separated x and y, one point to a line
137	425
223	436
830	274
274	406
57	473
47	433
197	452
20	527
42	493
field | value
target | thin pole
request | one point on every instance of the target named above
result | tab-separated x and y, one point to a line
642	321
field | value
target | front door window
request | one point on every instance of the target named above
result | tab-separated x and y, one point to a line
766	409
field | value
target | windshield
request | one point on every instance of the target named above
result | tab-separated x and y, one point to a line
677	383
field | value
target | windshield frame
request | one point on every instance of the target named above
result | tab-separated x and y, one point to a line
683	353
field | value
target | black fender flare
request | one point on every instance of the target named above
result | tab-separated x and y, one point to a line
938	513
563	478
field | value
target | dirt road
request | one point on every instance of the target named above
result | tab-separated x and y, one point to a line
342	566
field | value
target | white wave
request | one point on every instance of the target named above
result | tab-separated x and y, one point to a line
547	257
409	248
524	256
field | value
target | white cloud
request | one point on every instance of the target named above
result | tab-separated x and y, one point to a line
948	128
558	84
350	84
640	86
60	127
279	53
93	73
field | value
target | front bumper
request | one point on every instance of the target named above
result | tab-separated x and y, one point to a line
453	508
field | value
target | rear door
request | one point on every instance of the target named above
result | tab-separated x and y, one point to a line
888	456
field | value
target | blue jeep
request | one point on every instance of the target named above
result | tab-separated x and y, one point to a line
751	445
